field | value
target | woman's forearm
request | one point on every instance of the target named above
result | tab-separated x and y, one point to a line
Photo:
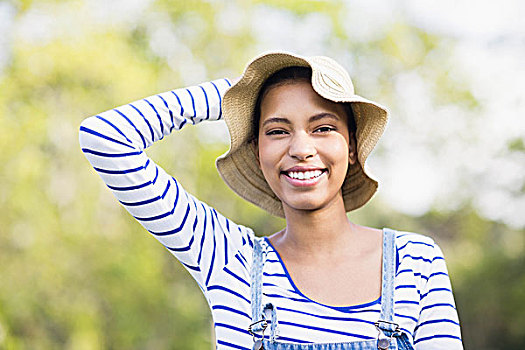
141	123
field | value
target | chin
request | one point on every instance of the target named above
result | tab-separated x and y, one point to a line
312	204
309	206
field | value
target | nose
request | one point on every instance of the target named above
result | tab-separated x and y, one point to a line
301	146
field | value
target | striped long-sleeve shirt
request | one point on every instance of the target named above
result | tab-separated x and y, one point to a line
218	253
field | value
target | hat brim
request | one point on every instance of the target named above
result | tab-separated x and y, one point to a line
239	166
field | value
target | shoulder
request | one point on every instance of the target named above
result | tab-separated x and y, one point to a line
411	242
419	260
418	253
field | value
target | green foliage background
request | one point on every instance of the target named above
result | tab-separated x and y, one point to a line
76	272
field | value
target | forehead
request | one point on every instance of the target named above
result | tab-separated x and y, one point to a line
297	100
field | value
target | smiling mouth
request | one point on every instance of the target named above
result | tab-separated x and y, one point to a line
304	175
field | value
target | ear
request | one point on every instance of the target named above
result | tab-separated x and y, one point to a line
352	150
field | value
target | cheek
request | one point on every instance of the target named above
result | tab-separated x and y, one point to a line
341	148
337	150
268	157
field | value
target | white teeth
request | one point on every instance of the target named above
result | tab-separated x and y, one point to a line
304	175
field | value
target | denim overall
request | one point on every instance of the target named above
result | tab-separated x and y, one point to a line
389	335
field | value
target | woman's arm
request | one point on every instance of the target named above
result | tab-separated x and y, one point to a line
438	323
114	143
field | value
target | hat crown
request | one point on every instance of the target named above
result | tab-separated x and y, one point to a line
331	78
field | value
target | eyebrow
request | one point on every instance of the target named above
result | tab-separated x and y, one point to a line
322	116
276	120
310	120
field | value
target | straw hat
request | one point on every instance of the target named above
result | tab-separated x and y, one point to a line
239	168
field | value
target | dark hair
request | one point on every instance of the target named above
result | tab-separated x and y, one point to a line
289	75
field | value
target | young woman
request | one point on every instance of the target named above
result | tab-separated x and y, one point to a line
299	141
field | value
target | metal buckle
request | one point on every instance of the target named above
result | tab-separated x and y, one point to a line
396	330
258	343
383	341
264	326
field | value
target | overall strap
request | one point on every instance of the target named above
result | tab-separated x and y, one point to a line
385	325
389	272
256	280
260	315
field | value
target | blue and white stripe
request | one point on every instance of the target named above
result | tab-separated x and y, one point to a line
218	253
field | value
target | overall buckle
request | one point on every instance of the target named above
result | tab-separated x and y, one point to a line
383	341
258	343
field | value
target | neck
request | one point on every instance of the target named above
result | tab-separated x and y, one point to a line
316	233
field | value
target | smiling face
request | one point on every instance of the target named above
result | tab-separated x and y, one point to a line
304	146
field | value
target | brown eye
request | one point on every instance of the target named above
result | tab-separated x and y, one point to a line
276	132
325	129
